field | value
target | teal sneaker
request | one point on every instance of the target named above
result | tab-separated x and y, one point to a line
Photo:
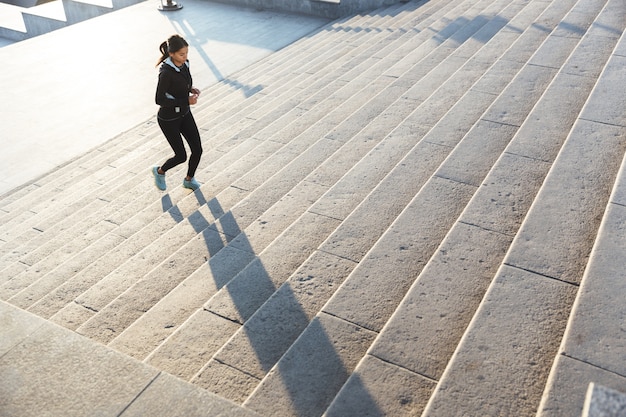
159	179
192	184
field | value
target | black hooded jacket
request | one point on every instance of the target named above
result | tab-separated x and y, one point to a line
173	88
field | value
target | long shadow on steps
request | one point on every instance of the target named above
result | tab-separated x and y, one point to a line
236	384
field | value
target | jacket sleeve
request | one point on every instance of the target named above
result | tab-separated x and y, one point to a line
162	98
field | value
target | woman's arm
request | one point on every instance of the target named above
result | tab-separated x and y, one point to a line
162	98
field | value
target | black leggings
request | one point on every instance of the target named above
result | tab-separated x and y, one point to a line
172	129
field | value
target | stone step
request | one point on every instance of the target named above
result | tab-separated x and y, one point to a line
158	208
44	365
72	180
382	200
39	227
349	243
420	349
121	312
352	303
597	314
527	305
174	349
55	232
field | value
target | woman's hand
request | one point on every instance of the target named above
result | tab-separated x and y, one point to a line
195	91
193	99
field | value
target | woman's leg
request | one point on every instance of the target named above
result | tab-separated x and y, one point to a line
171	129
189	130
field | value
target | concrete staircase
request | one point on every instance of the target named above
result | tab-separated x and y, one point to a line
420	211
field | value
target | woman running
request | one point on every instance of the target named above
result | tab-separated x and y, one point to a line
174	94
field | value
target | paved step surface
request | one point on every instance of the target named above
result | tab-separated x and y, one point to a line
412	211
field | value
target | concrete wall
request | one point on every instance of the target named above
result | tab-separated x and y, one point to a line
332	9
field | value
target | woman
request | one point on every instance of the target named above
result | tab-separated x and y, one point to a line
174	94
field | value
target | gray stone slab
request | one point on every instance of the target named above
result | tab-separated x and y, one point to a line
153	327
517	100
319	362
457	121
596	330
274	221
264	338
503	200
72	315
531	38
471	160
619	192
498	77
502	363
254	285
427	326
400	255
57	276
604	402
186	351
57	372
146	291
176	398
579	19
358	233
377	388
568	384
609	97
449	93
610	21
620	50
570	204
590	55
226	381
15	326
554	51
543	133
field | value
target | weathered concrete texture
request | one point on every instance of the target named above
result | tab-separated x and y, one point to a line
471	160
72	316
574	198
569	382
604	402
313	369
356	235
16	326
226	381
503	200
596	331
260	343
399	255
609	85
518	99
526	314
56	372
547	126
378	388
246	292
427	326
186	351
152	328
170	396
47	370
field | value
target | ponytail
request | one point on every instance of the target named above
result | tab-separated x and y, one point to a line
173	44
164	53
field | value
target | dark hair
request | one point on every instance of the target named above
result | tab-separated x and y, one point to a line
173	44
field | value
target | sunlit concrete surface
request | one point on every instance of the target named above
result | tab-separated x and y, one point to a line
70	90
